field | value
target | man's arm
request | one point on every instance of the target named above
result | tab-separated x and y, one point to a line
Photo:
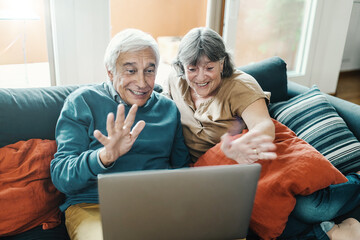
180	156
75	166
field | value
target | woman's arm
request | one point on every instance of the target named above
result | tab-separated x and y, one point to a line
256	117
258	142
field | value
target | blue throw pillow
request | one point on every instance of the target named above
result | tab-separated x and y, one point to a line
314	120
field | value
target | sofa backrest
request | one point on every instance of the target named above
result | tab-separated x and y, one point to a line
27	113
271	75
33	112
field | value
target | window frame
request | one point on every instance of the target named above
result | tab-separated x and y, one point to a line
326	28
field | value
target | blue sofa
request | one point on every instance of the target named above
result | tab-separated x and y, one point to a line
32	112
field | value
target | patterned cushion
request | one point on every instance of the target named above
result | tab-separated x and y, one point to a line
314	120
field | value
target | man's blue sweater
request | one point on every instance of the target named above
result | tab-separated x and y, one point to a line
75	167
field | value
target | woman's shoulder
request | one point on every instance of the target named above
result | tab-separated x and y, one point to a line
240	80
242	77
173	78
243	84
176	85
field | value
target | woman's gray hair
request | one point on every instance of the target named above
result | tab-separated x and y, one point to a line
200	42
128	40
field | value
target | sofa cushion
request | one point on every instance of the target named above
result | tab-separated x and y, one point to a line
298	169
271	75
28	197
314	120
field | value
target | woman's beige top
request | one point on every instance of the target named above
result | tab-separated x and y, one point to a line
204	126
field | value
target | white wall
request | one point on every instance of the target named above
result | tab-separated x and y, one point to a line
81	32
351	57
327	43
334	22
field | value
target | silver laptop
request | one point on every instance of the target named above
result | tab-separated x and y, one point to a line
192	203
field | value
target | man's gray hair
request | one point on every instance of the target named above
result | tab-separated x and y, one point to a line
200	42
129	40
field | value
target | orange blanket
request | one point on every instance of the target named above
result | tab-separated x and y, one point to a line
27	196
298	169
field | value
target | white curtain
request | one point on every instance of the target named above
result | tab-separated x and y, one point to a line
80	33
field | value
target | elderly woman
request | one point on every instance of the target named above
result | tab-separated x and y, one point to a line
208	104
91	141
211	95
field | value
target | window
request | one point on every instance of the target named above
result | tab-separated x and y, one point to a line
308	34
266	28
23	51
166	20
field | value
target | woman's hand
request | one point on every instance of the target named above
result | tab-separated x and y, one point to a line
120	136
249	148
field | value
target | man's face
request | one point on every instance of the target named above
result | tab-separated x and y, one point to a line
135	76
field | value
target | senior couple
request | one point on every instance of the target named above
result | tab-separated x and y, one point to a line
123	125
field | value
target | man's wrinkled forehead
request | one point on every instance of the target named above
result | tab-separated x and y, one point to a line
134	58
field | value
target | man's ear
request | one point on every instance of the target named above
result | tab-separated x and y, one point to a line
111	76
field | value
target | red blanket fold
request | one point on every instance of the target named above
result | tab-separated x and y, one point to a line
27	196
298	170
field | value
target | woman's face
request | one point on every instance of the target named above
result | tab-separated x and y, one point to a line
205	77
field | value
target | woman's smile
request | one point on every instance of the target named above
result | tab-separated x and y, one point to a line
202	84
205	77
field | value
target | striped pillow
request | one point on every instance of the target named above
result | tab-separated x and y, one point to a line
315	120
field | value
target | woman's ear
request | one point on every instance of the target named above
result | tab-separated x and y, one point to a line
222	65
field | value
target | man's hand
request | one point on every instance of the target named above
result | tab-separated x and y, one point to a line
249	148
120	136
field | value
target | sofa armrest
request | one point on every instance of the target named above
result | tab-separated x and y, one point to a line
350	112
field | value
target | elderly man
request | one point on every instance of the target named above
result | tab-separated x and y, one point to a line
145	134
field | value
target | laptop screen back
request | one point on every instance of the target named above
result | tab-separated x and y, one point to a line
192	203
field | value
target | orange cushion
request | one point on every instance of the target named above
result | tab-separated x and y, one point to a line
298	169
27	196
